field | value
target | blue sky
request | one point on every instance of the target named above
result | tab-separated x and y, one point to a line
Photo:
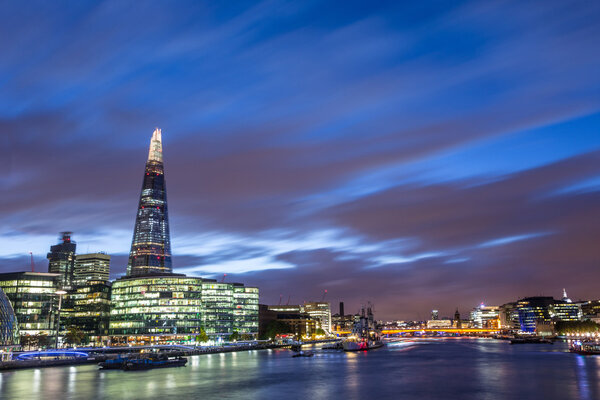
370	149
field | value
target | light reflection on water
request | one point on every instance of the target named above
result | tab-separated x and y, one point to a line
419	369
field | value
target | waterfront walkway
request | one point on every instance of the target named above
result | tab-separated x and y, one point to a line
50	358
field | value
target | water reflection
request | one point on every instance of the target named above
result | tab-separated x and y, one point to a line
464	369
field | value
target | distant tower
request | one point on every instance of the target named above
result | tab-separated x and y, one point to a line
565	297
151	245
457	322
434	315
342	308
61	259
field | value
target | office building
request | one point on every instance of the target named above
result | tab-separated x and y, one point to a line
321	312
174	308
245	310
91	267
34	300
509	316
61	259
301	325
91	310
151	246
485	317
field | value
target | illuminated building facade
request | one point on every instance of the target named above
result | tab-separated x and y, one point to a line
90	310
321	312
91	267
486	317
301	324
154	306
61	259
509	316
9	329
151	246
245	311
175	307
34	300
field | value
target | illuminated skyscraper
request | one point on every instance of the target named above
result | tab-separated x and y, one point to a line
151	245
61	259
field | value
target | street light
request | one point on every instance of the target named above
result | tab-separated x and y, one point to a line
60	295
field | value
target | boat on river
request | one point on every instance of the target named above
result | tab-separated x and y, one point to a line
530	340
585	348
302	353
365	335
151	363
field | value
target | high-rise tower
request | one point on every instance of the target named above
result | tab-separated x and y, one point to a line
151	245
61	259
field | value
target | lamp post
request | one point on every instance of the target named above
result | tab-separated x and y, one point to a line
60	295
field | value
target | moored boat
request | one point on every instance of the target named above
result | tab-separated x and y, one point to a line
113	363
530	340
304	354
365	335
150	363
585	348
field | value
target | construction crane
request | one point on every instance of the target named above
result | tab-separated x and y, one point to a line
32	263
324	294
223	278
280	297
288	302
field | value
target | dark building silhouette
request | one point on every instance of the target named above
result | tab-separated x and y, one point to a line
342	309
151	245
61	259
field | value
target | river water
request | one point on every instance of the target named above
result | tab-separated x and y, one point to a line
454	368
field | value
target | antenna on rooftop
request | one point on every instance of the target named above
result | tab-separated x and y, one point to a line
32	263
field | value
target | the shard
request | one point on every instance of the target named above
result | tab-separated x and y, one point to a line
151	245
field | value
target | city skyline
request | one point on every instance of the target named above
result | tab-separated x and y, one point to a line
453	158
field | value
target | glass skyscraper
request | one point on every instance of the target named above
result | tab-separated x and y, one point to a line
61	259
151	246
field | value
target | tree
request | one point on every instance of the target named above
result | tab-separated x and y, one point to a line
202	336
35	341
320	331
569	327
74	336
234	336
274	328
26	341
42	339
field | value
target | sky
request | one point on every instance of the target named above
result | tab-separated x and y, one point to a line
417	155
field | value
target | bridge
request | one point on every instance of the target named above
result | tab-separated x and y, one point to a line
429	330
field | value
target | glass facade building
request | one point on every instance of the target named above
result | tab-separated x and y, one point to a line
165	305
34	300
245	311
9	329
486	317
175	307
91	267
544	310
151	246
90	310
61	259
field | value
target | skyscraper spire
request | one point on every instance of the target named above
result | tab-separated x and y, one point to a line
155	152
151	245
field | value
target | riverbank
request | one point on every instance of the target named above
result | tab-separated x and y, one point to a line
102	354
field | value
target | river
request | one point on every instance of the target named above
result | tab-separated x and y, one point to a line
454	368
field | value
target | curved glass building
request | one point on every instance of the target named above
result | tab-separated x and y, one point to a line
9	333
